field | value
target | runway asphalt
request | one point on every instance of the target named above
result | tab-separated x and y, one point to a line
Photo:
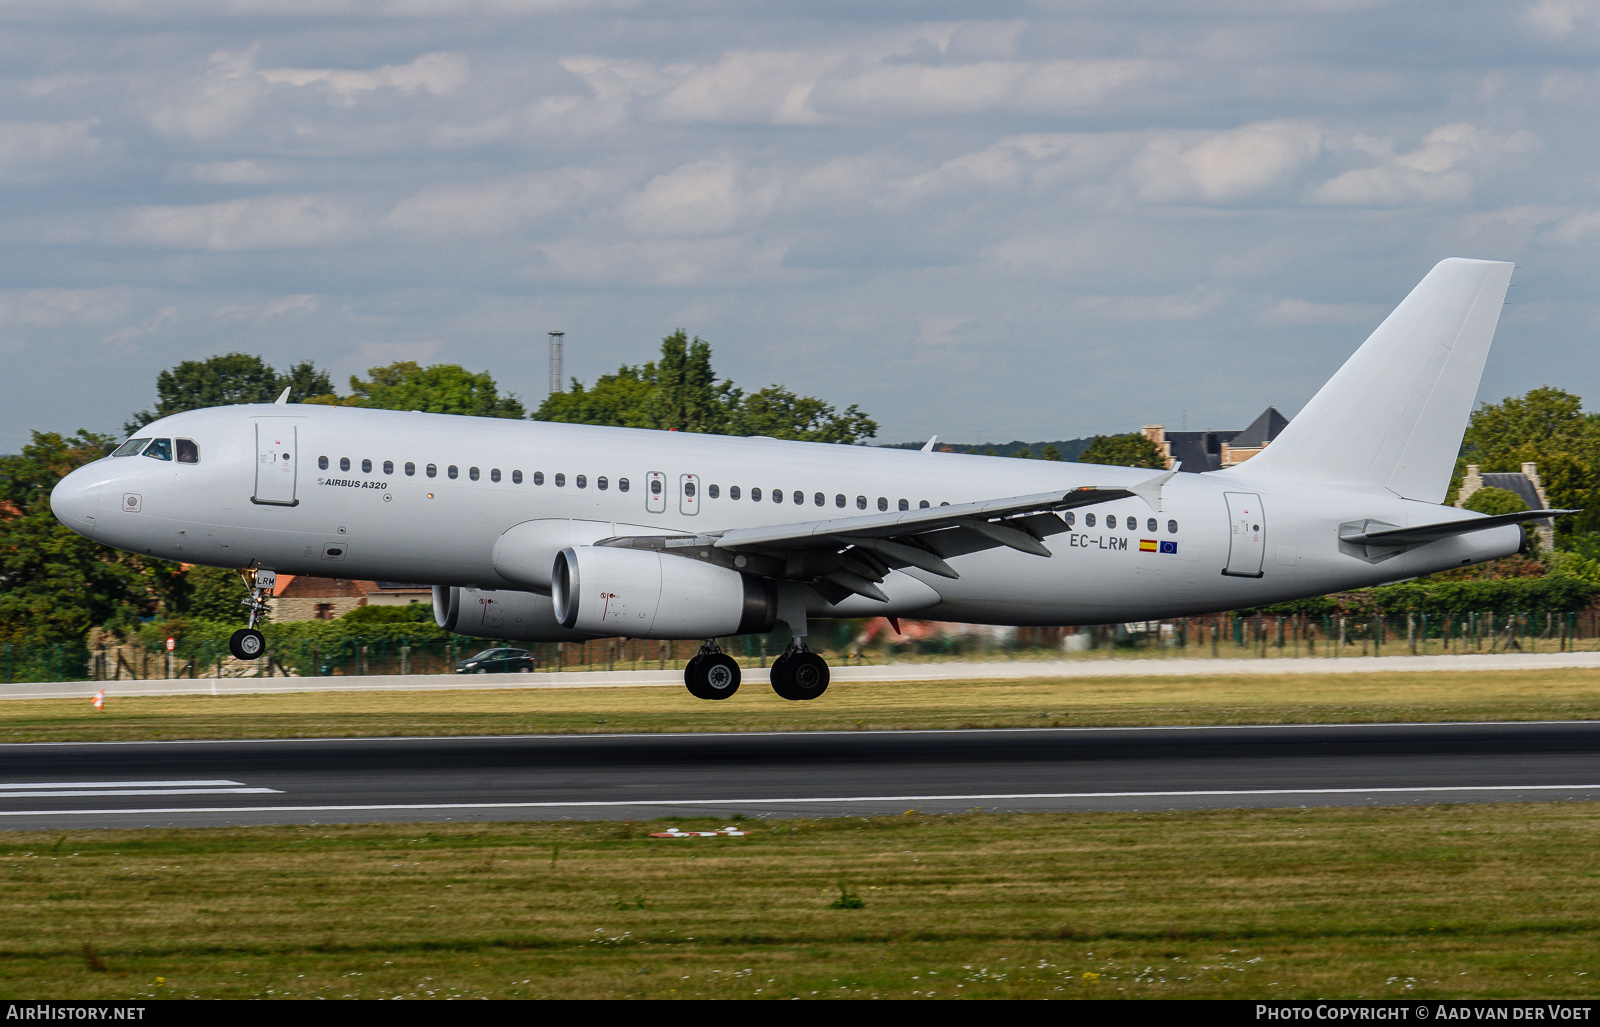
161	784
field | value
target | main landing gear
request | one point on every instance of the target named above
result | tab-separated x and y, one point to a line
711	673
248	643
797	674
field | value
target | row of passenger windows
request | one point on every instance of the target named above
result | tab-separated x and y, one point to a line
452	471
603	483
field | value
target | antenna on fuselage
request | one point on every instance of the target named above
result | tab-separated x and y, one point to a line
557	381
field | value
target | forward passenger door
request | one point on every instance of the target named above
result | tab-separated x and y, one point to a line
275	461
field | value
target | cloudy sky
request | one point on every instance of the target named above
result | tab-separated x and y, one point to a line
988	220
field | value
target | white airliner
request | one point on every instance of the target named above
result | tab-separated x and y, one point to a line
542	532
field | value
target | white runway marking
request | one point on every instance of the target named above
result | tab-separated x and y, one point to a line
83	789
613	803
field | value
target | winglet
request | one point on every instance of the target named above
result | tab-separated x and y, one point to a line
283	397
928	448
1150	489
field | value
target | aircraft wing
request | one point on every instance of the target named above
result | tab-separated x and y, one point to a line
1416	536
849	555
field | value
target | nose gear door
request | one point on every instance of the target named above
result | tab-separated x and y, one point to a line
1247	536
275	461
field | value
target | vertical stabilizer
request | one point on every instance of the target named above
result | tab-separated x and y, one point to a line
1394	414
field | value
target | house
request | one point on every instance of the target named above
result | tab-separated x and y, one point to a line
1525	484
1213	450
302	597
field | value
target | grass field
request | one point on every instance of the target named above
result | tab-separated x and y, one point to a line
1416	901
1071	702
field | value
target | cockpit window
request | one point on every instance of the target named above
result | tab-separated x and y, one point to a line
188	452
160	449
132	447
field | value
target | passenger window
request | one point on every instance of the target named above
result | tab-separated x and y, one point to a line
1069	517
494	474
388	467
755	495
472	472
883	504
561	481
516	477
799	498
861	502
344	463
366	466
602	484
538	477
452	472
411	469
655	486
433	471
819	499
688	489
923	505
733	492
904	505
1088	520
622	484
160	449
1150	525
777	495
188	452
133	446
838	501
583	481
1172	527
713	491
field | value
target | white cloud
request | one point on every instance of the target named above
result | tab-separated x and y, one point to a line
715	263
710	197
32	151
1190	305
1305	312
301	305
232	172
1561	17
1226	166
262	223
1439	170
436	73
506	204
56	308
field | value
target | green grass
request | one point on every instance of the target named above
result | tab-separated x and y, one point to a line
1480	901
1044	702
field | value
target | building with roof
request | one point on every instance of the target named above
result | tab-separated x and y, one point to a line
1197	451
302	597
1525	484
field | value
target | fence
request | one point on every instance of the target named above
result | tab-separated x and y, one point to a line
1217	636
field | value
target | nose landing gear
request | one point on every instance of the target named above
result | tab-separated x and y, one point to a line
711	673
248	643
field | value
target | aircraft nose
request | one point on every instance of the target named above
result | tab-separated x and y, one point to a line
75	501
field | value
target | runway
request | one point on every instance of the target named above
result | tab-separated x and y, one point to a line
162	784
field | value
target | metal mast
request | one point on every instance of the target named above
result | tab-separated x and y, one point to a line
557	381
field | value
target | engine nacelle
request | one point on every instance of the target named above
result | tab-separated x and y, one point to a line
643	593
513	616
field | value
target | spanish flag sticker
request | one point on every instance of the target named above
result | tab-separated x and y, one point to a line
1147	545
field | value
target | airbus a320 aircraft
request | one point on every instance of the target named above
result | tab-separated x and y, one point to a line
554	532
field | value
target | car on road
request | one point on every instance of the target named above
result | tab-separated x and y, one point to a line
497	661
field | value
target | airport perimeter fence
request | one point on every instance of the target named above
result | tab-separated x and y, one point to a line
1217	636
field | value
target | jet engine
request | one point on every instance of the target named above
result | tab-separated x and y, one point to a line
642	593
513	616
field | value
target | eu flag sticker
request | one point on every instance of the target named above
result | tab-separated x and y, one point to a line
1169	547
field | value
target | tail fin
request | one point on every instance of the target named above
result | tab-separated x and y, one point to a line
1394	414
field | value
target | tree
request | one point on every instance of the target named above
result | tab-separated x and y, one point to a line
54	583
436	389
686	396
1051	452
1023	454
1539	425
780	414
209	594
1132	450
680	392
1493	501
225	380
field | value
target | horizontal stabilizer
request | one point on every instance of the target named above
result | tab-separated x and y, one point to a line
1434	532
